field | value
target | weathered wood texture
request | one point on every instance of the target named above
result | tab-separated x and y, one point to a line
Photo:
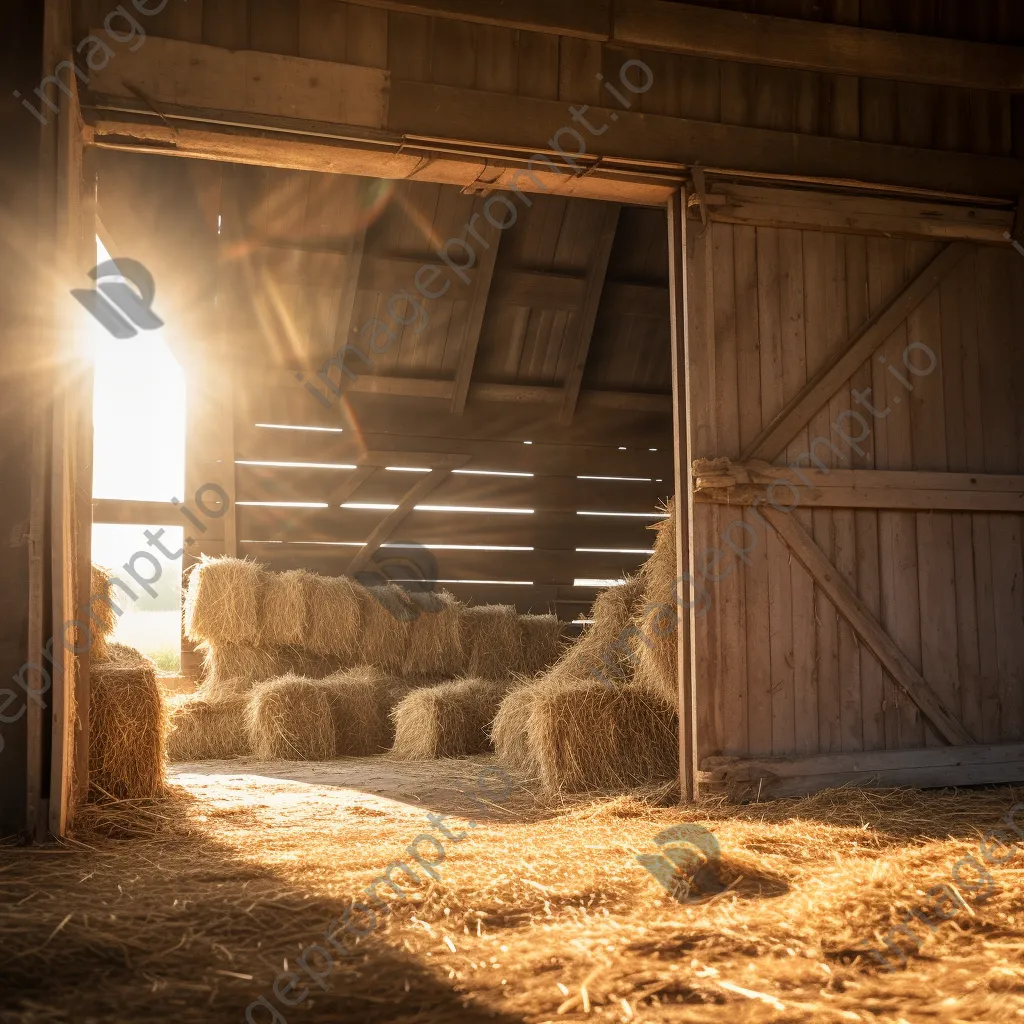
954	136
928	422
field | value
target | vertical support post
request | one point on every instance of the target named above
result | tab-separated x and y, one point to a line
681	404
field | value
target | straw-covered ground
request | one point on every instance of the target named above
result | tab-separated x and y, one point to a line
188	908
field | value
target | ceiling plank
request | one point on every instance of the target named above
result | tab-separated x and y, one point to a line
477	308
597	272
814	46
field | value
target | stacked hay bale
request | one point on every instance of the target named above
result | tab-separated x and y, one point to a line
605	715
126	727
307	667
102	618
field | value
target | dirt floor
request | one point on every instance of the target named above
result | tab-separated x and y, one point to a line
193	908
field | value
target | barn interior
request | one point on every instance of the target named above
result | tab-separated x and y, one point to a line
514	515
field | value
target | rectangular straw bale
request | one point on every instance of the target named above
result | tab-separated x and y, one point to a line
236	668
290	719
542	642
334	606
449	720
509	730
387	623
223	603
361	699
493	639
284	609
587	736
435	637
201	728
126	728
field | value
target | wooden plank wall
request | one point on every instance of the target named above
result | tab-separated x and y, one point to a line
542	65
783	673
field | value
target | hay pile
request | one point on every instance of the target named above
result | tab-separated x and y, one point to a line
450	720
102	618
230	669
655	641
542	642
224	601
435	636
126	727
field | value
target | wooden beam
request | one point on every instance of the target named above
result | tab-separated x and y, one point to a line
813	46
477	308
588	20
678	251
867	627
460	129
803	209
749	484
387	526
846	360
431	113
597	272
773	778
135	513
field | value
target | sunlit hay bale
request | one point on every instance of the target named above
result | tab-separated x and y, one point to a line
493	639
102	618
284	609
126	727
290	719
510	732
450	720
434	646
302	662
237	668
602	651
223	603
542	642
387	622
360	701
655	639
333	616
588	736
203	728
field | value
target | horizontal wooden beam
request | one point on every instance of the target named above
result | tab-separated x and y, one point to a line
803	209
438	112
813	46
136	513
772	778
758	483
588	20
641	156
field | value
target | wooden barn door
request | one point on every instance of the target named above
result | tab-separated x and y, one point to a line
855	377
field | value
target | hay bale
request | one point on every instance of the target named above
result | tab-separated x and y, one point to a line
493	639
510	730
290	719
435	636
333	616
284	609
450	720
126	727
603	648
655	641
387	623
223	603
202	728
588	736
102	617
236	668
360	702
542	642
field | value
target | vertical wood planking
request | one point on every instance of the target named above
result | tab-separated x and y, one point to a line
872	676
819	283
935	558
274	26
497	67
322	29
182	21
454	53
579	64
409	46
366	37
730	676
226	24
538	65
